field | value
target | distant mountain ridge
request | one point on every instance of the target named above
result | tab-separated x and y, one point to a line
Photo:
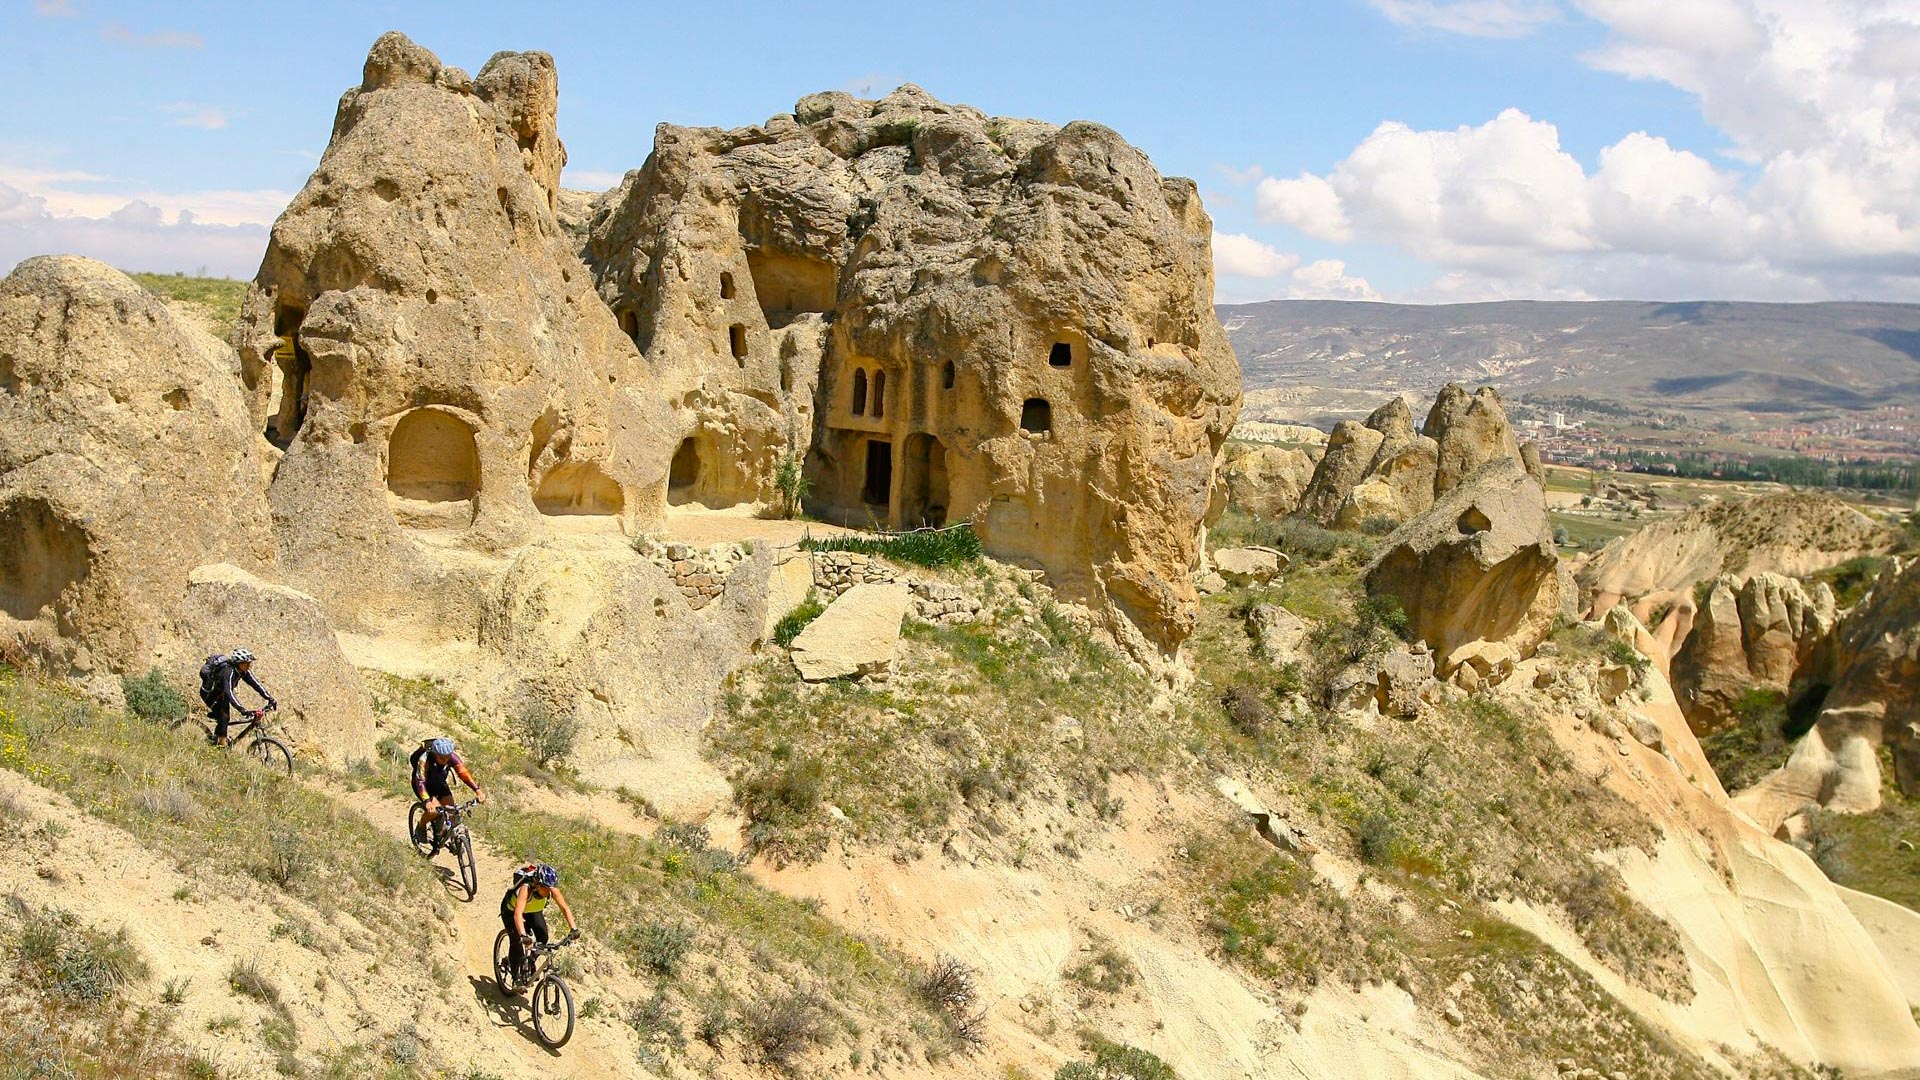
1770	361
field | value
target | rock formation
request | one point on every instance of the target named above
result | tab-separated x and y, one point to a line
1479	565
1791	533
129	465
1759	633
427	348
950	317
1268	480
1382	469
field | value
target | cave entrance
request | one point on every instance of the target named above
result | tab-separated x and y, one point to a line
431	457
43	556
578	487
684	473
923	483
295	369
878	489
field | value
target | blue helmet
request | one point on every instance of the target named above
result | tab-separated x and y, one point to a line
442	746
546	875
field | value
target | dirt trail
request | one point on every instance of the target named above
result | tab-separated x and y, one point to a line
600	1048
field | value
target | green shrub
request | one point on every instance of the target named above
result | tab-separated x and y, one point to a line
74	961
1116	1061
150	698
546	735
246	979
794	621
1851	579
658	947
951	546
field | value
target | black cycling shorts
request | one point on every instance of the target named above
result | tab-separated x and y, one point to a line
437	787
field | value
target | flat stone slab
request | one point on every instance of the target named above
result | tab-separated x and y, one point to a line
858	634
1249	565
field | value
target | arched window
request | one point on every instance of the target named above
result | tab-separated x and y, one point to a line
946	376
1061	355
726	285
737	341
859	391
879	394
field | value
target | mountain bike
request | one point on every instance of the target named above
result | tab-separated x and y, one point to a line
453	836
262	747
551	999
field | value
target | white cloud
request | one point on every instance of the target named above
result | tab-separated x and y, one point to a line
1307	203
55	9
136	236
122	34
1819	101
1241	177
1243	256
1327	279
1477	18
190	114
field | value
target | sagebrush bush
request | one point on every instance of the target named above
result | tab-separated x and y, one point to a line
149	697
782	1027
546	735
245	978
658	947
1116	1061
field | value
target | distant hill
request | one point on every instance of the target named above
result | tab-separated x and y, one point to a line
1770	362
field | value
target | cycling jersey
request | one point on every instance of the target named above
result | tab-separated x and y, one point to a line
535	902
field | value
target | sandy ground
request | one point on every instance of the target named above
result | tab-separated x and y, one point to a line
695	524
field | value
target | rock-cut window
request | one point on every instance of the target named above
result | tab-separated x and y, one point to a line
1036	415
1061	355
946	376
879	394
859	391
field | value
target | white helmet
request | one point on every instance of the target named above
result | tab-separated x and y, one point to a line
241	655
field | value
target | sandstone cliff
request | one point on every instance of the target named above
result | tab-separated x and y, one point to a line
949	317
129	466
428	349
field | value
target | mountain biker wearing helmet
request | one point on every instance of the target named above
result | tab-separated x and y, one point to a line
523	910
217	678
431	763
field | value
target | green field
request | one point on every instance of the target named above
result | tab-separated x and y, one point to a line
218	297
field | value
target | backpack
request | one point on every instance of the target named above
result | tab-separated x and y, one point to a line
210	674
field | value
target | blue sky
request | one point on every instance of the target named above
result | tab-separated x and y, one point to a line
1530	148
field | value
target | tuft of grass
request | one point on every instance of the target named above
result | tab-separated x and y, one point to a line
72	961
1851	579
1105	970
794	621
245	978
953	545
658	947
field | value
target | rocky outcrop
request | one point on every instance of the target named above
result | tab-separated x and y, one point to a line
1249	566
1792	533
1384	470
1759	633
1871	663
1468	430
1478	566
425	344
127	459
948	316
1269	480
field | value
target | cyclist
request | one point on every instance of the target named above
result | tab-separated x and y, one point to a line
217	679
523	910
431	763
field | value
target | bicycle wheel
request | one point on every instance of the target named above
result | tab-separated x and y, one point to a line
502	950
553	1012
469	874
272	753
417	834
